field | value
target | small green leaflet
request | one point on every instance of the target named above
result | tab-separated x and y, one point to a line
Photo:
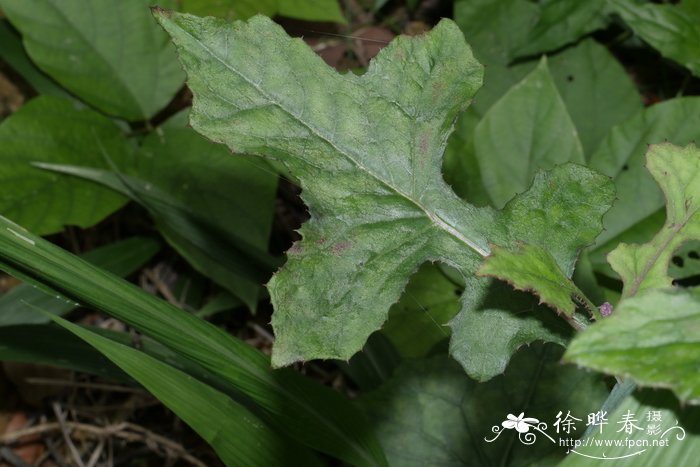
367	152
677	171
653	334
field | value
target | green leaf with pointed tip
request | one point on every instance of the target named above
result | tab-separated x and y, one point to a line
677	171
529	124
562	22
430	413
674	30
531	268
598	92
367	152
12	53
109	54
51	129
654	338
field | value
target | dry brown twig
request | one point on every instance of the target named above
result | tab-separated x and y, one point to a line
125	431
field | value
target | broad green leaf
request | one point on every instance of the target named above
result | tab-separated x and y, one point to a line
19	305
596	89
645	266
561	22
530	268
678	425
237	435
371	177
51	129
416	322
492	29
674	30
313	414
110	54
528	129
653	338
621	156
308	10
430	413
12	52
495	29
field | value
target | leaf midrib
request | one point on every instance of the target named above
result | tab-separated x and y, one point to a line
649	265
434	217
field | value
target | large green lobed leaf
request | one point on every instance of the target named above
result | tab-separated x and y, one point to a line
367	152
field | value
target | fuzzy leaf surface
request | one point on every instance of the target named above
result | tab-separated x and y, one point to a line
367	151
531	268
654	338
